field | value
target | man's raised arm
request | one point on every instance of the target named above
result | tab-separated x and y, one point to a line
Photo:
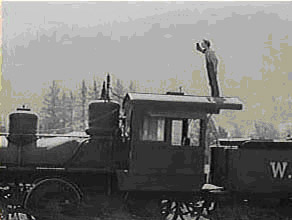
199	48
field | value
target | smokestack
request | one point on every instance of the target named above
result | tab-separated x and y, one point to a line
22	127
108	87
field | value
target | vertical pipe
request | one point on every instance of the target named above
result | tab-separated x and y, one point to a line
203	144
185	126
203	136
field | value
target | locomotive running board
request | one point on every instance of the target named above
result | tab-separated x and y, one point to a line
212	188
58	169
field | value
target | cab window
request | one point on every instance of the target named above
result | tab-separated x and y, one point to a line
185	132
176	132
153	129
194	132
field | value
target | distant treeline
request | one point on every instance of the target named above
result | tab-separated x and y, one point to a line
65	110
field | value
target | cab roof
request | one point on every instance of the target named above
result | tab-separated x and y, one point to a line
204	104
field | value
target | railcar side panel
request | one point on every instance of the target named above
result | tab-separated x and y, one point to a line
255	167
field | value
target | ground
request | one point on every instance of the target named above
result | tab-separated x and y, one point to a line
255	210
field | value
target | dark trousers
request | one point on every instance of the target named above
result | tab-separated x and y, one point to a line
212	75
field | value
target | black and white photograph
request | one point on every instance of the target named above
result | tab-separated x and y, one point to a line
145	110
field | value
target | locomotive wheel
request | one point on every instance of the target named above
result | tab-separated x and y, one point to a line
172	210
52	196
183	210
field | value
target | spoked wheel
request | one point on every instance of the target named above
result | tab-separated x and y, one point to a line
186	210
52	196
173	210
9	202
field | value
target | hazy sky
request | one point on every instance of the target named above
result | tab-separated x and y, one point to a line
152	44
142	41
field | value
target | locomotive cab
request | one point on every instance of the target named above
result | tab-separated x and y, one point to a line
166	138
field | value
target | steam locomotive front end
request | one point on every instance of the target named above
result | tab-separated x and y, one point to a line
26	148
22	136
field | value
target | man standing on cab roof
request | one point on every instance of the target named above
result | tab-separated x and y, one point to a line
211	65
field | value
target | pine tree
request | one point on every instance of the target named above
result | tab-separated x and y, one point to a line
71	110
95	90
63	113
83	104
66	112
237	132
132	87
222	133
50	111
3	124
265	130
119	91
93	93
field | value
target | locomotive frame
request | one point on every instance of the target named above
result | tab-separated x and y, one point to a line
145	155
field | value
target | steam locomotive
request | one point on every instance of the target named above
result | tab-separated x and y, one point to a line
152	149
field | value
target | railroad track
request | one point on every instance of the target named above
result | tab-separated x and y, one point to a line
227	213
